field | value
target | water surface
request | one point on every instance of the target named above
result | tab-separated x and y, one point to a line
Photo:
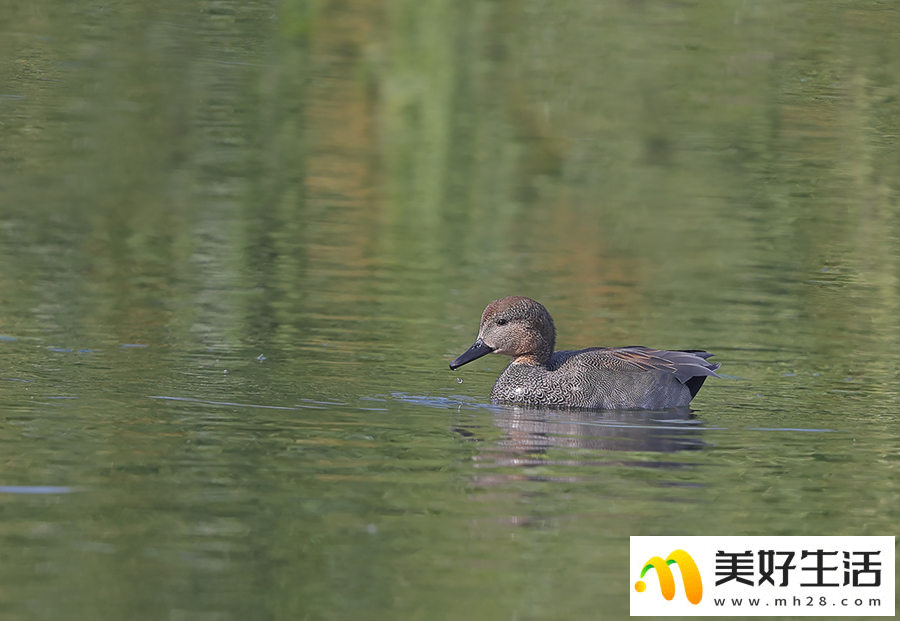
239	244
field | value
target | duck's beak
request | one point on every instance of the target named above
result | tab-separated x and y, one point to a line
477	350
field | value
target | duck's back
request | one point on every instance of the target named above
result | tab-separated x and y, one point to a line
608	378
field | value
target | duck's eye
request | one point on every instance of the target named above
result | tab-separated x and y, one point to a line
502	322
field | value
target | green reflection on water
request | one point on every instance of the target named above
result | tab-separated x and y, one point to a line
301	209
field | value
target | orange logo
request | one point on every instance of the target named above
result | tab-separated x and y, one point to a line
693	586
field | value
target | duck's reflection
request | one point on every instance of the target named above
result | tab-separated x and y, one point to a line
535	436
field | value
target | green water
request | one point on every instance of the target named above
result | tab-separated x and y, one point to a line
239	243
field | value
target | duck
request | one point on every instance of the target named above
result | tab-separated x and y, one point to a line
604	378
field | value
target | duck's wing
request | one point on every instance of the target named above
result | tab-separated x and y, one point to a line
684	365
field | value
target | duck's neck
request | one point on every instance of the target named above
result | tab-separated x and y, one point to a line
539	358
536	348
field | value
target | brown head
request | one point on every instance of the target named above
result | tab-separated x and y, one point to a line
515	326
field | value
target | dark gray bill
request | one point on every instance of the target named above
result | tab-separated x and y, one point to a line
477	350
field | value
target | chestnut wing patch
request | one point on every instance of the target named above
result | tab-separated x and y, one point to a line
682	364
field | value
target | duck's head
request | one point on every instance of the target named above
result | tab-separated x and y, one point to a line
515	326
